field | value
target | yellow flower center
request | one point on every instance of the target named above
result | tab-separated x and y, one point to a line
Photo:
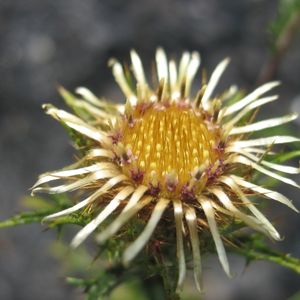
167	145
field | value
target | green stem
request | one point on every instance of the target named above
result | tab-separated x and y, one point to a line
257	250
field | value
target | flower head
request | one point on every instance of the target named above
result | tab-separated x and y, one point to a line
165	150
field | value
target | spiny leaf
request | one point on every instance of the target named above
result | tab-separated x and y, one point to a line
80	142
102	284
25	218
254	248
43	208
75	219
38	216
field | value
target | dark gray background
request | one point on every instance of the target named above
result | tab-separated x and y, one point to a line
43	43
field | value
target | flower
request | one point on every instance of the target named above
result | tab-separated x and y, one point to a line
165	150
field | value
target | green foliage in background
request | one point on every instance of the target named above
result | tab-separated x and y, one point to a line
288	15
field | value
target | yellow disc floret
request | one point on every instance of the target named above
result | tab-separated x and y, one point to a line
167	143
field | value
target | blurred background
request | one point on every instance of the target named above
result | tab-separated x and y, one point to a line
45	43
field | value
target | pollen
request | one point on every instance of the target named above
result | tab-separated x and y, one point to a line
168	143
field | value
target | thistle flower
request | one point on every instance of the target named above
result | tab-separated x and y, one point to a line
165	150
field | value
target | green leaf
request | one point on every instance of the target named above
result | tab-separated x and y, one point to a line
138	281
39	215
255	248
36	203
75	219
25	218
288	13
80	142
282	157
78	106
100	285
43	208
295	297
129	291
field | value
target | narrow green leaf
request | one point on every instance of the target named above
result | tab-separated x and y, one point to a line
288	12
282	157
25	218
256	249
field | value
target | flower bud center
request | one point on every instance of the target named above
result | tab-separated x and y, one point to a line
168	142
